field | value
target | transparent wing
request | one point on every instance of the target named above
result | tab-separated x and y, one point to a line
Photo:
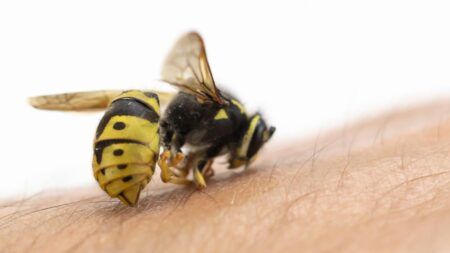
86	100
187	67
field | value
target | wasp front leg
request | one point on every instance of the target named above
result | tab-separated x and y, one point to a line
183	168
171	157
167	162
202	169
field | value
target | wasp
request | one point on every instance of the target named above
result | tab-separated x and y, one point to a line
200	123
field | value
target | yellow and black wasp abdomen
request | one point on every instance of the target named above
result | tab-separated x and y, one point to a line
126	146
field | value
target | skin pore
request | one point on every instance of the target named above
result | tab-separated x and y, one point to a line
380	185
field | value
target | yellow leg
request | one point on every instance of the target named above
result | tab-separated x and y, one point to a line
199	179
178	158
179	180
183	170
208	170
167	176
180	172
164	165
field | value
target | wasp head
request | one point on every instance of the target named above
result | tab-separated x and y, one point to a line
256	135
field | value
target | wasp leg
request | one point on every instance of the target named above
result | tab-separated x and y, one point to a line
179	180
164	165
182	170
208	171
178	170
167	176
203	170
199	178
172	155
177	159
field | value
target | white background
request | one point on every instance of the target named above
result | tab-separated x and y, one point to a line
308	65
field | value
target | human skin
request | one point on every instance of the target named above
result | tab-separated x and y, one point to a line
379	185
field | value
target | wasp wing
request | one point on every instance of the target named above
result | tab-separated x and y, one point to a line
187	68
86	100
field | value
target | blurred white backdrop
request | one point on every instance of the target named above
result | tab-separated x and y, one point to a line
308	65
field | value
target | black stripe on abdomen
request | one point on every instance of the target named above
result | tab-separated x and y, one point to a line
101	145
127	107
